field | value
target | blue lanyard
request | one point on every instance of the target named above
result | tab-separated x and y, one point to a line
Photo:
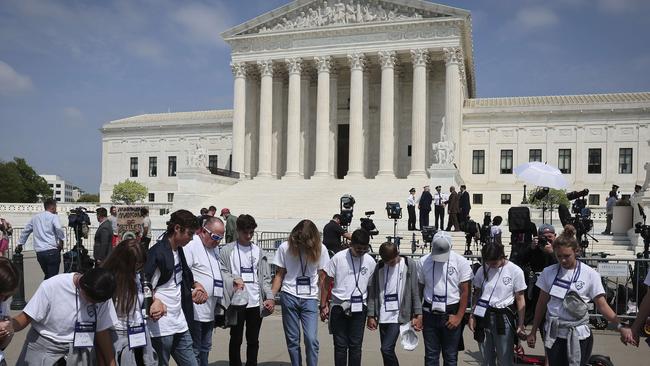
576	274
433	276
216	257
354	271
495	285
304	268
386	275
252	262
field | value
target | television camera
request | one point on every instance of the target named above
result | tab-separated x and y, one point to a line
347	207
368	225
77	258
394	212
477	233
579	217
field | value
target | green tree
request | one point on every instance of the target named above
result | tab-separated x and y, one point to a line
129	192
555	197
20	183
88	197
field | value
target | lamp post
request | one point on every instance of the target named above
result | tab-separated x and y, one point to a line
524	200
18	301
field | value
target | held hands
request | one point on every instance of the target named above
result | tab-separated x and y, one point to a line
628	336
453	322
372	323
417	323
238	283
521	332
157	310
6	329
269	305
531	339
324	313
199	295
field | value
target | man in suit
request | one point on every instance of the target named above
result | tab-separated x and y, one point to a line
453	209
424	205
103	237
464	205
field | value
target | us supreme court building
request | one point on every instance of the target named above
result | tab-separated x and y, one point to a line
369	97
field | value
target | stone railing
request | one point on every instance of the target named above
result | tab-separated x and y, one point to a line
6	209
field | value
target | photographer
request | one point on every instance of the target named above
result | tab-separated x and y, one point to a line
332	233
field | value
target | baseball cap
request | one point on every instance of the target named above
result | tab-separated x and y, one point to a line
441	246
409	338
412	190
224	211
544	228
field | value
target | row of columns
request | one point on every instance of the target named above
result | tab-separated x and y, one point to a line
357	63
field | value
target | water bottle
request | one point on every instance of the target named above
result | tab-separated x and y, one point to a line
148	297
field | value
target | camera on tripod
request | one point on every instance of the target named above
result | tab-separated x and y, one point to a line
581	218
347	207
427	234
368	225
79	221
642	228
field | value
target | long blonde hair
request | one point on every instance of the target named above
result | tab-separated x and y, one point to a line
305	238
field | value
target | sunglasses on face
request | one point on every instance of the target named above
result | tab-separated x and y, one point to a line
213	236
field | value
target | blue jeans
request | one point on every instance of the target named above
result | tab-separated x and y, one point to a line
497	346
297	311
437	338
178	345
201	340
347	332
388	334
50	261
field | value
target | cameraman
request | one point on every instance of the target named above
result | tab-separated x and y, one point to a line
332	233
541	254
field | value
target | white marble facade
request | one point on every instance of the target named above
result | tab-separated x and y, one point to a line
366	90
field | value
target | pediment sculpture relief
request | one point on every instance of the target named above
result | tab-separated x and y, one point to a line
343	12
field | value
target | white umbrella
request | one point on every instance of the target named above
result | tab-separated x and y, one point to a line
541	175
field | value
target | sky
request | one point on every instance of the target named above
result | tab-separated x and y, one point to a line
67	67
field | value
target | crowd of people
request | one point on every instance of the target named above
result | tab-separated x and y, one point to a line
144	305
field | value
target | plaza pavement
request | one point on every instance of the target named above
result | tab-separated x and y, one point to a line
273	349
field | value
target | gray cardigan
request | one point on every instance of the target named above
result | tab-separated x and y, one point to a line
263	274
410	303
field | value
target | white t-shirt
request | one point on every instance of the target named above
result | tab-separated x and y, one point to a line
587	284
135	315
55	308
345	276
204	264
294	266
247	256
394	285
170	295
457	271
508	280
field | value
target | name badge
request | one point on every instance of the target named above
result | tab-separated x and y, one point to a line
84	335
247	274
391	302
439	303
178	274
356	304
137	336
481	308
217	288
303	285
560	288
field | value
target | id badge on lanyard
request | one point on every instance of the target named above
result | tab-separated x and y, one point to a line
217	286
178	274
247	274
84	334
137	336
481	307
439	303
391	301
356	303
560	288
303	285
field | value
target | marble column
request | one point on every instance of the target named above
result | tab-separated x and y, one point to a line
355	165
294	65
453	95
278	112
387	114
334	122
239	118
420	57
323	65
266	118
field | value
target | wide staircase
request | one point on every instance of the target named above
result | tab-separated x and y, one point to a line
278	205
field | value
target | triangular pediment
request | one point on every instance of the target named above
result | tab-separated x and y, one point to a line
309	14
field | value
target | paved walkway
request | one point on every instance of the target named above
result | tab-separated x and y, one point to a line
273	349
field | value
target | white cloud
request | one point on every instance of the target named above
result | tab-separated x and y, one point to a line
535	18
619	6
147	49
203	23
12	82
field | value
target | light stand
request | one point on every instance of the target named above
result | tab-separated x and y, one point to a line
394	211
